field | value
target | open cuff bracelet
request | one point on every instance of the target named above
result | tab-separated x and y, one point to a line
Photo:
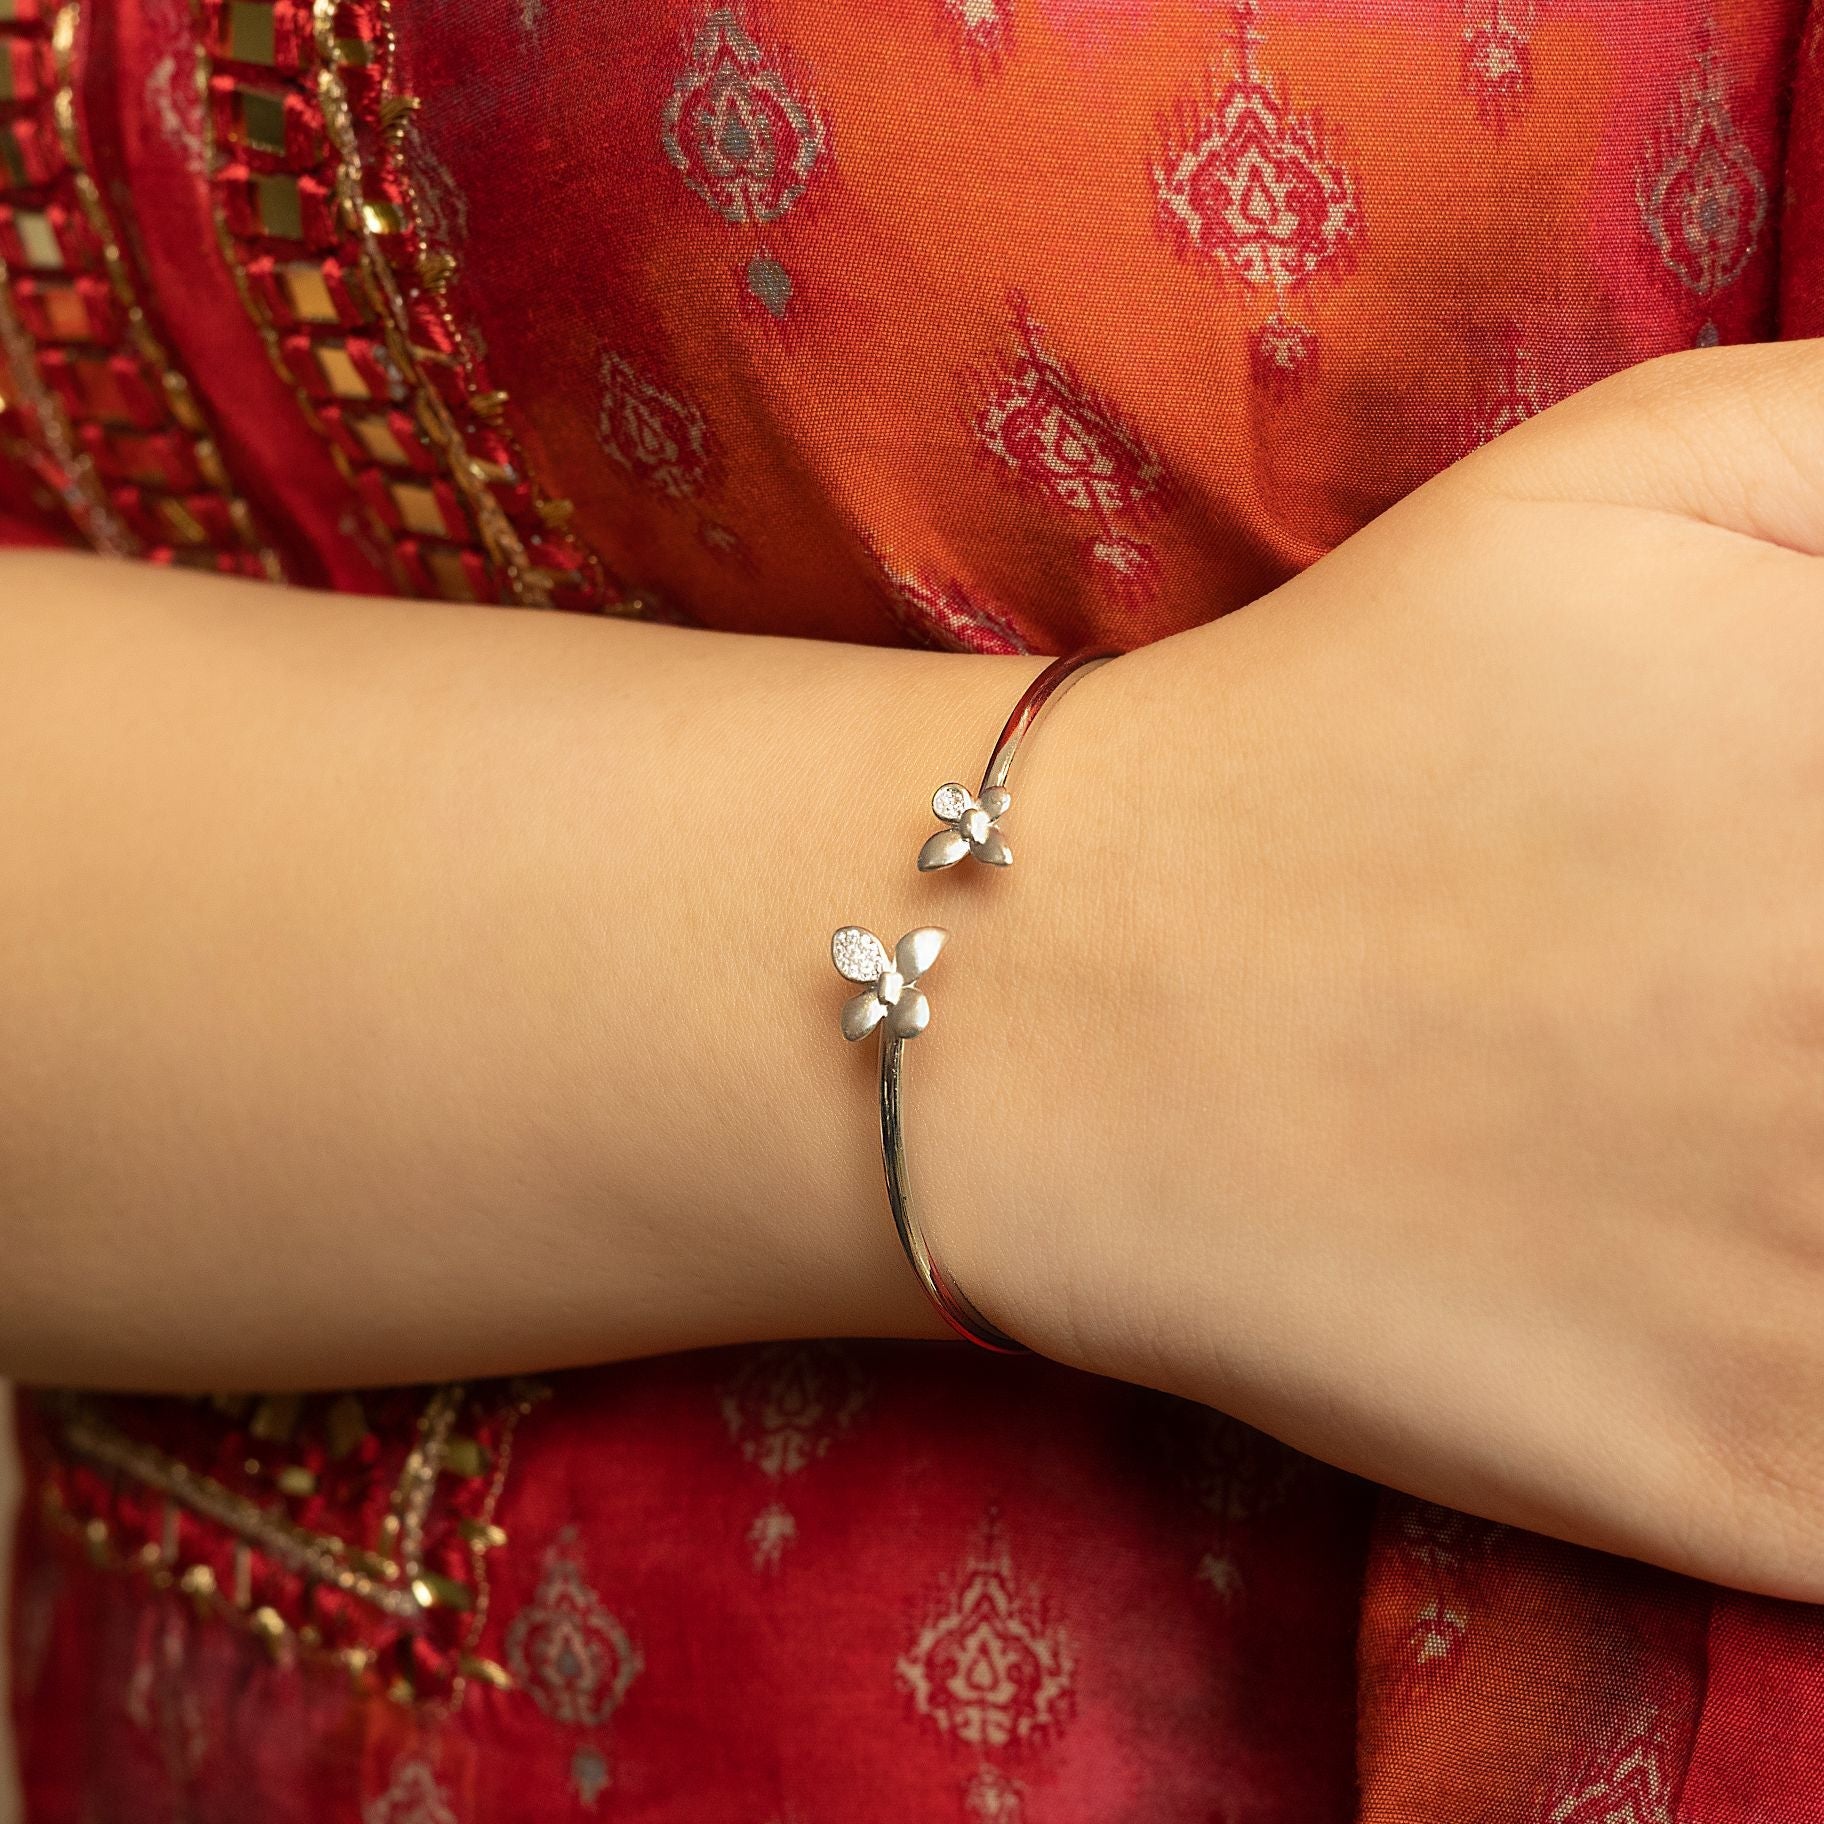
892	996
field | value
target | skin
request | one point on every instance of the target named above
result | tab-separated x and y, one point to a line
1404	1027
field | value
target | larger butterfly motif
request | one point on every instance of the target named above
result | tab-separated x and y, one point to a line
891	995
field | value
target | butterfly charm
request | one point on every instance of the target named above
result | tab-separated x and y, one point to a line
970	828
891	993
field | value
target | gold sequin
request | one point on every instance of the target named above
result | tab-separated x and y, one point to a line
67	314
434	1592
340	373
465	1457
420	510
276	1418
308	291
39	239
180	522
345	1425
381	217
262	119
252	37
396	111
281	206
378	439
451	578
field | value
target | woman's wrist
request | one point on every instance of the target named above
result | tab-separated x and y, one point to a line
1036	1083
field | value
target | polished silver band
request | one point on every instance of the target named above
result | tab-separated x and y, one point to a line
893	999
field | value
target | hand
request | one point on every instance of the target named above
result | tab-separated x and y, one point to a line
1436	1078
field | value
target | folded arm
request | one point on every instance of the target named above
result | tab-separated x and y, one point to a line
393	991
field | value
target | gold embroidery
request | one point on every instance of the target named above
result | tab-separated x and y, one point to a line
458	541
380	441
397	1586
262	119
281	207
339	372
418	508
79	486
165	398
403	1529
491	522
309	293
248	34
87	1436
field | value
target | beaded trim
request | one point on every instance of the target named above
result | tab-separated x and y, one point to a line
317	217
113	424
405	1613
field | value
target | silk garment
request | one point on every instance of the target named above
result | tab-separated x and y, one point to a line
991	325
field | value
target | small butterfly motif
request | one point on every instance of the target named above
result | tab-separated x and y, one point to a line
892	994
970	828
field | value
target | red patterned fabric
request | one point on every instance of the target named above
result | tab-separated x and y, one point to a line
991	324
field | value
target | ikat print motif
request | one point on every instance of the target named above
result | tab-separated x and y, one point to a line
1057	437
572	1656
942	613
990	1667
1252	186
412	1796
1497	54
745	140
786	1408
1703	200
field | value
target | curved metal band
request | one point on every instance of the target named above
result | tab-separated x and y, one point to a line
953	1304
1046	688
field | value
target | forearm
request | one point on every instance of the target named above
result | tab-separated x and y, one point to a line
396	992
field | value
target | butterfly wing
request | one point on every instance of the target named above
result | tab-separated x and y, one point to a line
917	950
859	955
910	1016
861	1013
944	850
949	802
997	801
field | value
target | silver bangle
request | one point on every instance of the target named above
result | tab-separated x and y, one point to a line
893	1000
